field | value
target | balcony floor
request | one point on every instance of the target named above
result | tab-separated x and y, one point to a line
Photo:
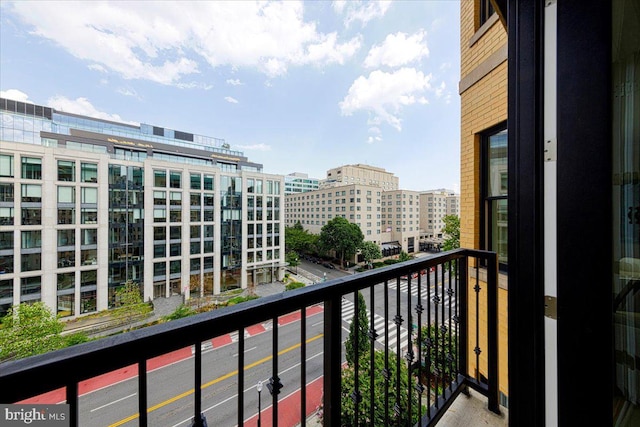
464	412
473	411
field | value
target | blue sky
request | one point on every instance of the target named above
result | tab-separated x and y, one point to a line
297	86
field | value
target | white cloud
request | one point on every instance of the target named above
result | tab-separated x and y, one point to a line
16	95
234	82
384	94
439	90
397	50
373	139
128	92
171	40
97	67
230	99
84	107
255	147
363	11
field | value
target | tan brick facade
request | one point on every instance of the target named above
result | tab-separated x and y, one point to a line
483	92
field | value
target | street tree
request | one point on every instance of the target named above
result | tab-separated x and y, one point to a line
341	236
293	259
298	239
451	230
381	389
359	322
29	329
370	251
129	303
404	256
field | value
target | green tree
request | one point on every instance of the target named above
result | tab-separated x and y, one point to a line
360	321
380	386
440	353
298	239
129	303
341	236
293	259
404	256
451	230
29	329
370	251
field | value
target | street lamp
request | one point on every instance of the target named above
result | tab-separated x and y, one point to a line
259	388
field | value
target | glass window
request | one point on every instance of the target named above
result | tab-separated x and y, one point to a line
250	185
208	231
30	285
195	181
208	199
6	264
208	182
159	215
259	186
159	268
195	215
194	199
159	233
88	299
66	259
159	178
159	197
208	246
66	170
30	216
175	216
31	193
89	236
6	192
66	216
175	180
31	239
6	290
66	194
89	195
6	165
207	216
66	237
175	249
175	232
89	216
194	248
66	281
175	198
495	191
6	216
6	240
160	251
194	231
31	262
31	168
89	172
174	267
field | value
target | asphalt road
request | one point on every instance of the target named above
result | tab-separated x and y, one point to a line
170	387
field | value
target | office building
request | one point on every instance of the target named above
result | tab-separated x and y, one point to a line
437	204
299	183
87	205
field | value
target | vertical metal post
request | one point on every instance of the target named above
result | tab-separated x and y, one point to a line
142	393
332	361
492	333
241	376
303	367
463	313
72	400
198	418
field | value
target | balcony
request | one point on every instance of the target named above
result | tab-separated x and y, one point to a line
431	312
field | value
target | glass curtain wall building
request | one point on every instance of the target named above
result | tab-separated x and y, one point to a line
87	205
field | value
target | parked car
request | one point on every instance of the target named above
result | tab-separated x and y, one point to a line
328	265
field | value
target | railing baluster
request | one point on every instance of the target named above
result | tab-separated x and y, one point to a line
477	349
241	377
450	294
436	331
274	385
72	400
355	346
332	360
372	349
409	354
303	367
398	321
463	323
492	332
386	373
142	393
429	344
419	310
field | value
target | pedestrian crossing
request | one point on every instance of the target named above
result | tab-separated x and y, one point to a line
348	310
444	299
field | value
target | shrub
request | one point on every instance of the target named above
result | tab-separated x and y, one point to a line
76	338
294	285
390	261
180	312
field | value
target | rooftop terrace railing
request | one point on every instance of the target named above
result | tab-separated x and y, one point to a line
430	320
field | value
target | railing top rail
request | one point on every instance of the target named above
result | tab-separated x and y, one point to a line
94	358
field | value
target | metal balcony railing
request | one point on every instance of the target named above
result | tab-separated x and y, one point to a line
431	331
